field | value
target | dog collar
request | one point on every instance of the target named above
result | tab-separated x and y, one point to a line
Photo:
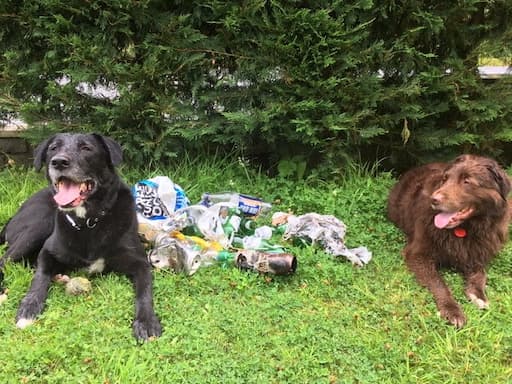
90	222
460	232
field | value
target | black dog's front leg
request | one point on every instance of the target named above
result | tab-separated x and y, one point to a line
3	290
33	302
146	323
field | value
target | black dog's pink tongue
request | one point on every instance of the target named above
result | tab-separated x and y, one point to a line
67	193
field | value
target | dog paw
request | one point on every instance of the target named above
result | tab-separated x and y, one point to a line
454	315
3	297
24	323
147	329
28	310
481	303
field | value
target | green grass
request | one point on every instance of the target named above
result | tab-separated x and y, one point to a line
328	323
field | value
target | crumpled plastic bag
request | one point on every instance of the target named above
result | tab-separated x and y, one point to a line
324	230
157	198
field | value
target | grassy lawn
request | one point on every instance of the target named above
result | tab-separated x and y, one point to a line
328	323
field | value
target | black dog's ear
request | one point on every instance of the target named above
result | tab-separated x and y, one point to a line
40	153
113	148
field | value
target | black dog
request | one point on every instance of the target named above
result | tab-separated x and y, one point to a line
84	219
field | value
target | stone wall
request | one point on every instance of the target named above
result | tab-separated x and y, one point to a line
14	149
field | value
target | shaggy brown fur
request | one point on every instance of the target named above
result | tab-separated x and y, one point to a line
454	215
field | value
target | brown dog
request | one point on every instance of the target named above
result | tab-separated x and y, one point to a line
454	215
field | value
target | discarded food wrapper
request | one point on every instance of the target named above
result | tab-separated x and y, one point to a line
280	218
264	262
325	230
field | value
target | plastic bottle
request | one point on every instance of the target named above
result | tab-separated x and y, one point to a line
264	232
249	205
185	220
280	229
225	256
247	226
222	197
257	243
231	221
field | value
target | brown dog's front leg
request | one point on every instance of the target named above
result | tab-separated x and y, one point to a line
475	288
427	274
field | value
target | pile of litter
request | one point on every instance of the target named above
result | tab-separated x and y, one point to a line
224	228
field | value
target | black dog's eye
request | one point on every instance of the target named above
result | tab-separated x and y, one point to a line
53	147
86	148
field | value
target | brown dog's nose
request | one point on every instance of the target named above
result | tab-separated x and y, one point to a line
60	162
436	199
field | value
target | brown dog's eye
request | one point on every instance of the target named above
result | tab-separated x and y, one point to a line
466	179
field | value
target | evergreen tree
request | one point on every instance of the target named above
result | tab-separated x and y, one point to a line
286	82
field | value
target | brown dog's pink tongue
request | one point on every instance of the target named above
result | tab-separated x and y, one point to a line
67	193
442	219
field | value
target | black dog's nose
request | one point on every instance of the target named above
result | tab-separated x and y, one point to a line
60	162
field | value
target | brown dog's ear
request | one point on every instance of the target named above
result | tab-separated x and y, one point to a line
40	153
113	148
501	179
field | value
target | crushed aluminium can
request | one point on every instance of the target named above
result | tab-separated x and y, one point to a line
264	262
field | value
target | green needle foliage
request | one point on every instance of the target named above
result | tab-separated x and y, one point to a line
323	80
